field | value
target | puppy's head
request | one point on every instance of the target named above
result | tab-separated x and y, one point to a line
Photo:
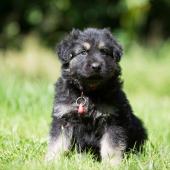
90	56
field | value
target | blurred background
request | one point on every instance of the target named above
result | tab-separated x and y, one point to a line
29	31
143	20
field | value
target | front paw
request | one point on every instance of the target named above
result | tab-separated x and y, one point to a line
49	157
113	162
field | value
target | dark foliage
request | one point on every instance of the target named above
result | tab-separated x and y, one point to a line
51	19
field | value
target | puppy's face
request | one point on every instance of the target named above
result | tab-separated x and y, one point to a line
90	56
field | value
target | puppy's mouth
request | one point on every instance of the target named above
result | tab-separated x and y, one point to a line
94	77
93	82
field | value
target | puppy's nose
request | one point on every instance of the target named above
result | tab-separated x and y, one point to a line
96	66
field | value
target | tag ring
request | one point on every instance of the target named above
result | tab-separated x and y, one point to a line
81	100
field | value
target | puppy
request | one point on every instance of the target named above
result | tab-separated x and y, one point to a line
90	109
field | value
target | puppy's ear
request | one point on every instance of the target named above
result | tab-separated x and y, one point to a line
117	48
117	51
64	48
75	33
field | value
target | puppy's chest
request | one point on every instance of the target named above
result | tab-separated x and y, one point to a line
106	109
96	106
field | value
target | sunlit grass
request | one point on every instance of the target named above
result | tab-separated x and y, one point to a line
26	96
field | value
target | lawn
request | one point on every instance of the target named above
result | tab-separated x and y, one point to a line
26	96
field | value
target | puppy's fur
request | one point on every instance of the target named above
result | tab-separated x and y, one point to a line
90	69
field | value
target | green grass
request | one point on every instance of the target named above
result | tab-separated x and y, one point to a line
26	96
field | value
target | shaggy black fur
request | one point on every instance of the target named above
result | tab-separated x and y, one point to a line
90	65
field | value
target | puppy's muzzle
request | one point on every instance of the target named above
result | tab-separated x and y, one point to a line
96	66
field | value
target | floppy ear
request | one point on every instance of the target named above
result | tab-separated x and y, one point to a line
117	48
117	51
64	48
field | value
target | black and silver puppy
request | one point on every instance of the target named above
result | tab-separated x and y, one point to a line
90	109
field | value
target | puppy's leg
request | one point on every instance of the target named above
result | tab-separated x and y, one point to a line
112	146
60	141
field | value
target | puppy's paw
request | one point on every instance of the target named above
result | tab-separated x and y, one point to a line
49	157
112	162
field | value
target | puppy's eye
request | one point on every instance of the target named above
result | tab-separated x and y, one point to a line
65	65
104	51
83	52
71	56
